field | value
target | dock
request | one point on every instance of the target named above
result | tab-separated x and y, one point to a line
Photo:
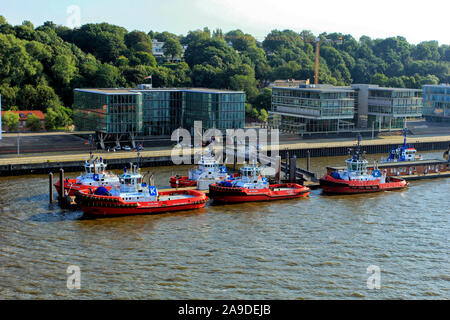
38	164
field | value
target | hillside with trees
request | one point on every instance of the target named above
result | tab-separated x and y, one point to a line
40	66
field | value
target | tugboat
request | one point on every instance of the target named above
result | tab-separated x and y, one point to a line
404	152
251	186
357	179
133	196
94	176
208	171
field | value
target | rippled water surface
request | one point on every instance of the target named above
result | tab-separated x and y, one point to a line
313	248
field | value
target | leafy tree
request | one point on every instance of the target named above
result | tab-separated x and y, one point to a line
263	115
57	116
11	120
104	41
172	48
138	41
33	123
64	69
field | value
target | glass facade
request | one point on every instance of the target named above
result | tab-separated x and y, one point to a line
109	113
436	102
215	110
156	112
396	103
162	112
312	109
389	107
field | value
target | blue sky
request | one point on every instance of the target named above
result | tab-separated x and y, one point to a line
415	20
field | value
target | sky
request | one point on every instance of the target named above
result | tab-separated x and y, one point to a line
417	21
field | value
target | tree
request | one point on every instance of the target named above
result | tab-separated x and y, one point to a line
263	115
263	100
64	69
138	41
11	120
172	48
57	116
33	123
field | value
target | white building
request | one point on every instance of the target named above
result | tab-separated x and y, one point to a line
157	48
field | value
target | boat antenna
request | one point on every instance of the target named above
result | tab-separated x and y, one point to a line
358	146
405	131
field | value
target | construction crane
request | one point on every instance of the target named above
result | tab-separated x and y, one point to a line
318	42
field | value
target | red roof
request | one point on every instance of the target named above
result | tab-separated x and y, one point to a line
25	113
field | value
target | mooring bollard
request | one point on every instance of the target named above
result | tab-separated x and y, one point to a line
50	187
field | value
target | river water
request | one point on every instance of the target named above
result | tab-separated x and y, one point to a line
314	248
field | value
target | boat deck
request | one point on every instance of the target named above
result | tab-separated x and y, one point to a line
397	164
283	189
176	197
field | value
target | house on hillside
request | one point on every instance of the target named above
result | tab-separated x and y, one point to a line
23	115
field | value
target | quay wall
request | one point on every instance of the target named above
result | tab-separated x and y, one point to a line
70	163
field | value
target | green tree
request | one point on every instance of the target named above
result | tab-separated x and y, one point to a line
33	123
138	41
57	117
172	48
263	115
10	120
64	69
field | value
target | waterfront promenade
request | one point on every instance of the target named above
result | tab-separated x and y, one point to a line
166	151
157	156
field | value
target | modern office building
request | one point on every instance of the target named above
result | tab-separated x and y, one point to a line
385	108
436	102
325	108
115	113
312	108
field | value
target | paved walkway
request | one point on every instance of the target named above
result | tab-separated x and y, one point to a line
167	151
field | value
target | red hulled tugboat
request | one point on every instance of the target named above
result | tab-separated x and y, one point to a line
356	178
133	196
251	186
94	176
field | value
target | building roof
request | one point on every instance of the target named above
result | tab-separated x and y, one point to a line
137	91
23	114
319	88
393	89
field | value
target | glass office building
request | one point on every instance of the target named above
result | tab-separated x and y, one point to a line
318	108
388	108
156	112
112	112
436	102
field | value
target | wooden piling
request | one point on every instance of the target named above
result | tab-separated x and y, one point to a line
50	187
278	169
61	185
292	169
308	158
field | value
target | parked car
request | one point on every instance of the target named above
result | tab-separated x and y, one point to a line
126	148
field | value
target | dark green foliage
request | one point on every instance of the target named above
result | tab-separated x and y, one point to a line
40	67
